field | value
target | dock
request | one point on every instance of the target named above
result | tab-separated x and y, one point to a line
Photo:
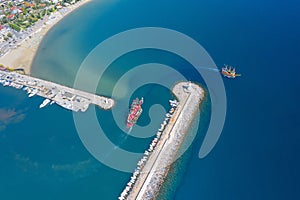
154	165
68	98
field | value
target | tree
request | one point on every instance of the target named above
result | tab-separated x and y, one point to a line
4	20
9	35
24	11
14	26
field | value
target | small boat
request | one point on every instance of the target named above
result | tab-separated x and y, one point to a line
45	102
229	72
34	92
6	83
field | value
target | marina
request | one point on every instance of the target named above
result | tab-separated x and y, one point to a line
69	98
153	167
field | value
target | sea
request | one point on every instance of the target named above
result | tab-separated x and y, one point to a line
42	155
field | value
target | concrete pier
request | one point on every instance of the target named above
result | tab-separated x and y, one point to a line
150	176
66	97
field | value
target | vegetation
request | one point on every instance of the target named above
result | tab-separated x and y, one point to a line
23	15
14	26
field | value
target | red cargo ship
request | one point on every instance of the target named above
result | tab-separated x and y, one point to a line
134	112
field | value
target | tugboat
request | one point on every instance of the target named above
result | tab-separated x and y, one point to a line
229	72
134	112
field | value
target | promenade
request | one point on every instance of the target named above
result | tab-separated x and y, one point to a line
151	175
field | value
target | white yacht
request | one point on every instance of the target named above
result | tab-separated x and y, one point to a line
31	94
45	102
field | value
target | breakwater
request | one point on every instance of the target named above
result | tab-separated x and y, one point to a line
151	170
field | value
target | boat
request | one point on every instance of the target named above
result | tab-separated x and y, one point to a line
6	83
45	102
32	93
229	72
134	112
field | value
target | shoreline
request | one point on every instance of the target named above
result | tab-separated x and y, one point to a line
23	55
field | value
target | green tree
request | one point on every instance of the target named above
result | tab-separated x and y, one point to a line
4	20
9	35
14	26
24	11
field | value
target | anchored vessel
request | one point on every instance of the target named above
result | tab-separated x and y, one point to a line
134	112
229	72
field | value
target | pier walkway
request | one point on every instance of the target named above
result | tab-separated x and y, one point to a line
69	98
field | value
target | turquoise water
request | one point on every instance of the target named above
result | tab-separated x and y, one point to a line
42	157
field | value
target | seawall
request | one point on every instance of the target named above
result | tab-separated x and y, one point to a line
153	167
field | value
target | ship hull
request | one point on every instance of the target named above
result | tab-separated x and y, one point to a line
134	112
227	74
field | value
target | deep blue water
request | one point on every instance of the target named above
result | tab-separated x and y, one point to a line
257	154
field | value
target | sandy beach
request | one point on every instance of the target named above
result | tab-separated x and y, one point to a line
23	55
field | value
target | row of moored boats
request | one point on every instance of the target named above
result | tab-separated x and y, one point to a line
33	91
7	80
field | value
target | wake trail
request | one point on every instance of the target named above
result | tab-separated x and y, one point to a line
210	69
118	145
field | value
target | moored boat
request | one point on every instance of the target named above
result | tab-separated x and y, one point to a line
32	93
45	102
